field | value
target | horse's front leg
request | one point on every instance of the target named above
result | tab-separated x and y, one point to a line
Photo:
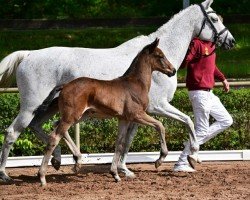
163	108
131	131
119	148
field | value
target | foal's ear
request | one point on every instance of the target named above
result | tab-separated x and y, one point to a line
153	45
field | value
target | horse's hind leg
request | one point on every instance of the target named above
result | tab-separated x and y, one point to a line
12	133
131	131
119	148
36	126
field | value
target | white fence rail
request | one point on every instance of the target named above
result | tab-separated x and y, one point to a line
136	157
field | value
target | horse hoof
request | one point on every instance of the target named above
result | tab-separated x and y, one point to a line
117	179
5	178
55	163
158	163
130	175
199	160
115	176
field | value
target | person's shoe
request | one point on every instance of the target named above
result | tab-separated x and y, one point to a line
183	168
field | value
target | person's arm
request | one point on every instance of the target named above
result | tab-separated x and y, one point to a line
219	75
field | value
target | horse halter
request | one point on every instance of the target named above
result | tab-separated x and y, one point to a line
216	33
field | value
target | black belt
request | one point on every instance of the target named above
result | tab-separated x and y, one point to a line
203	89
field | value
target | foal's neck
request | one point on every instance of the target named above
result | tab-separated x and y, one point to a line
140	72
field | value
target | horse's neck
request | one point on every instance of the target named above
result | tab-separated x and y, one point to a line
140	73
176	35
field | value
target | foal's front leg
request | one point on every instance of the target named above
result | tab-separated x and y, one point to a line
164	108
145	119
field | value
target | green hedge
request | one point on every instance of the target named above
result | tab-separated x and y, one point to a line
99	136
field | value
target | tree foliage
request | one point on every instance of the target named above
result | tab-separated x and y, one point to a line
77	9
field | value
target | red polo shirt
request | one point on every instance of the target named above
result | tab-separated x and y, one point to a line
201	67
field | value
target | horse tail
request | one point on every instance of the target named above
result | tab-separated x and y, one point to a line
44	106
9	65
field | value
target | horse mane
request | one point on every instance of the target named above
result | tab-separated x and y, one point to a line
173	17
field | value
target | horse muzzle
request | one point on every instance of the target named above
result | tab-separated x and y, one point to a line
227	44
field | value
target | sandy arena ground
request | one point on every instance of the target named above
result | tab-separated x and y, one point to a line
213	180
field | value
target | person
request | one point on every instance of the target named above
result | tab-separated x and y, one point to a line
201	74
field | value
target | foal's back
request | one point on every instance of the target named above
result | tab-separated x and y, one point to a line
102	98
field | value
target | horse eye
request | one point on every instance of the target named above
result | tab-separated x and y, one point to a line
214	19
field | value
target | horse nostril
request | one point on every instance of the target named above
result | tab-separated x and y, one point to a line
233	42
174	71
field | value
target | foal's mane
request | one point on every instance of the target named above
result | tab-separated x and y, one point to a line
134	63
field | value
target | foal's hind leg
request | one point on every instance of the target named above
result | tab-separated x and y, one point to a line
143	118
76	152
54	139
119	148
36	126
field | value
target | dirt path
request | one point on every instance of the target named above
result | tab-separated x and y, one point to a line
214	180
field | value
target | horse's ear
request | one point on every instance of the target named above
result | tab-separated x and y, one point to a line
153	45
207	3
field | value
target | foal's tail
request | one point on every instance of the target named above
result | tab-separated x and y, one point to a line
44	106
9	65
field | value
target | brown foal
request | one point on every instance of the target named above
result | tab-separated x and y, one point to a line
125	97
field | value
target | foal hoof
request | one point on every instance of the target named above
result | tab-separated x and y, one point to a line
5	178
42	179
76	168
55	163
158	163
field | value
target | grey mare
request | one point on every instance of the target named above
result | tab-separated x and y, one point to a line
39	71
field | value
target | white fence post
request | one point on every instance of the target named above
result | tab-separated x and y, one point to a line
77	135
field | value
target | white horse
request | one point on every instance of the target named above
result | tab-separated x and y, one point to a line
39	71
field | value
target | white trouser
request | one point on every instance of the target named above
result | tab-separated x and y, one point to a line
204	104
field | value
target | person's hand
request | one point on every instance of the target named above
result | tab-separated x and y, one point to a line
226	86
